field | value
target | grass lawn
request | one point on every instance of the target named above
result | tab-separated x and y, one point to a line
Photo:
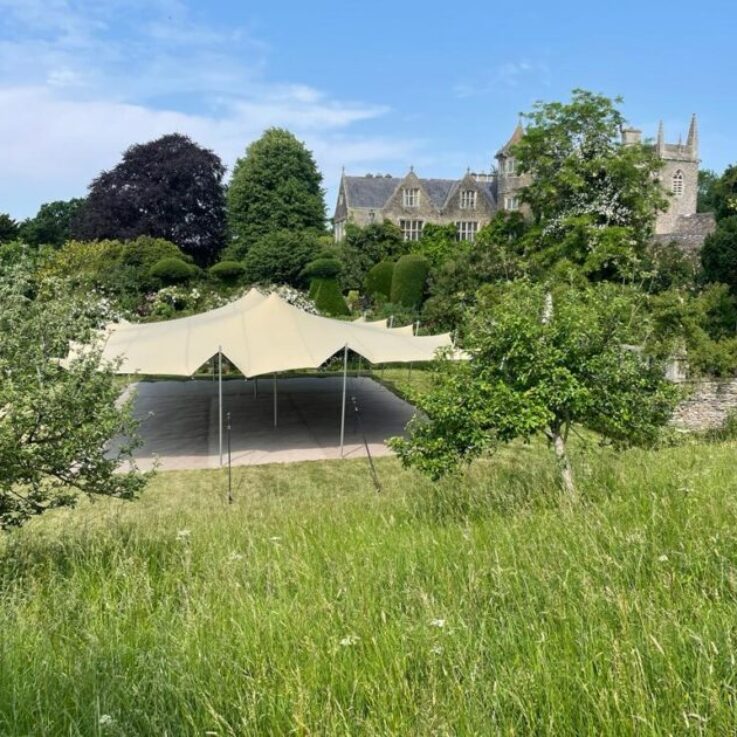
314	606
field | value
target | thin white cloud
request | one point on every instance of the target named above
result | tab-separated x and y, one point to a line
508	75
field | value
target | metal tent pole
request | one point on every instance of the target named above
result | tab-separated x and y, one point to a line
275	400
220	400
342	411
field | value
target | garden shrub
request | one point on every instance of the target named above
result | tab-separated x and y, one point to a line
327	296
227	271
379	279
172	271
323	268
408	282
280	257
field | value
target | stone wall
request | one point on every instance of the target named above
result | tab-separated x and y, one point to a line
707	406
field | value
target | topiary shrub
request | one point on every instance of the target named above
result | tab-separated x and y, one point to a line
327	297
228	272
379	279
322	268
172	271
408	281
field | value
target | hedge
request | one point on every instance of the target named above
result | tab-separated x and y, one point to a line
227	271
408	282
172	270
327	297
323	268
379	279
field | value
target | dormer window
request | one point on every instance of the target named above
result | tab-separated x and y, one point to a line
677	184
411	197
468	199
509	166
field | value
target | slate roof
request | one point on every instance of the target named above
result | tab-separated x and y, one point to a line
375	191
369	191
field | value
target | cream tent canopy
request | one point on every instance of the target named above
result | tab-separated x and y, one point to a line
259	335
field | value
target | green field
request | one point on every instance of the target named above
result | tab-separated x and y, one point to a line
315	606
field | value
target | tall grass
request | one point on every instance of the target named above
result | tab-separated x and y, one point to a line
314	606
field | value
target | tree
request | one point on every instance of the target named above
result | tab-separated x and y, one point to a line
706	195
542	363
720	193
281	257
8	228
593	199
168	188
52	225
56	424
275	186
362	248
719	254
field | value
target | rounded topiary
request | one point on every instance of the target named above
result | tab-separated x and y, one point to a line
327	297
323	268
379	279
172	271
408	281
227	271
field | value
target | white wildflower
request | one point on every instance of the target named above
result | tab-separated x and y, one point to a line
234	557
439	623
663	558
349	640
436	650
106	720
183	535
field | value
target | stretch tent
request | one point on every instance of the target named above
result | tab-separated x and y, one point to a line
259	335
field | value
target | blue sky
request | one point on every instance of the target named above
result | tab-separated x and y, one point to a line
375	87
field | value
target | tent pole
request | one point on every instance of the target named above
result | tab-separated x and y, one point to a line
342	411
275	399
220	400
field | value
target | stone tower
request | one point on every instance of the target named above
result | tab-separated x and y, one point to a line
679	176
509	181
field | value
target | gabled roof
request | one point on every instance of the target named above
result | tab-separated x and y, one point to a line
376	191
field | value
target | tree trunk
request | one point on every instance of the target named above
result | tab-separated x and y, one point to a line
564	464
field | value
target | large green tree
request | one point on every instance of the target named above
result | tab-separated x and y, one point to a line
52	224
362	248
8	228
275	186
542	363
719	254
56	424
593	199
281	257
169	188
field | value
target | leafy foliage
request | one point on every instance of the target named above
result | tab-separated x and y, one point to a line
409	279
8	228
363	247
327	296
379	280
542	364
56	424
53	223
719	254
280	257
169	188
593	200
439	243
172	271
276	186
228	272
323	268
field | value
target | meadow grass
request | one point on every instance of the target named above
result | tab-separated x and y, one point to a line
315	606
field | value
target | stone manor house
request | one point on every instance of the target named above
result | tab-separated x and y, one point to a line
411	201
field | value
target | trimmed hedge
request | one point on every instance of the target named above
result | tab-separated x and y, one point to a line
327	297
227	271
379	279
323	268
172	270
408	282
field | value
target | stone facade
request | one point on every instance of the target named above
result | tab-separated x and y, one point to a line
708	405
375	198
